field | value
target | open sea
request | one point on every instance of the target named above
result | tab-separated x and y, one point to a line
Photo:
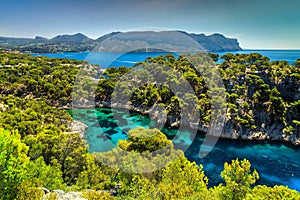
277	163
105	59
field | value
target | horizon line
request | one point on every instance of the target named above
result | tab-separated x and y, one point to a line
95	38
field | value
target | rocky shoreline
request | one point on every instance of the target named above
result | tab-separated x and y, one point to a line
272	133
78	127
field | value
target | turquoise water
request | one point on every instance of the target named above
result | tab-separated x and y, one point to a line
105	59
277	163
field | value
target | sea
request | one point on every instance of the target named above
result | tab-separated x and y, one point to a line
278	163
113	59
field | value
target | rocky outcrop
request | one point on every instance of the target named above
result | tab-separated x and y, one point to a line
216	42
61	195
78	127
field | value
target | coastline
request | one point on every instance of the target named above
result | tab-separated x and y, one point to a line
174	122
270	53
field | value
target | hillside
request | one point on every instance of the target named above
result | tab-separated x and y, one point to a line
262	97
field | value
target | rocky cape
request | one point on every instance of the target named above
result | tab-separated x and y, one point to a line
79	42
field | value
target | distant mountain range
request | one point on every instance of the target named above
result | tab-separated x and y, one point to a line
79	42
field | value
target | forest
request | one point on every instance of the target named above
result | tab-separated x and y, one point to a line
42	159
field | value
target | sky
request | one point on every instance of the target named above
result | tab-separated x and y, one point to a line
257	24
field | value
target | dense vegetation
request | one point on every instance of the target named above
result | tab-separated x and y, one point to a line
30	117
37	150
60	161
26	76
40	77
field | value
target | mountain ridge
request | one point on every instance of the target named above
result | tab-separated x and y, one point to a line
79	42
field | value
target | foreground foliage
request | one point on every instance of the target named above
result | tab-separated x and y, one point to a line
23	175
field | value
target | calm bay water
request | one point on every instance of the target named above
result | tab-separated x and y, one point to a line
276	162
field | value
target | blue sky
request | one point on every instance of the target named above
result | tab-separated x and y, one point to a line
258	24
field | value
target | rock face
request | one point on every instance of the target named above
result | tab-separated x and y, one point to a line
267	132
216	42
